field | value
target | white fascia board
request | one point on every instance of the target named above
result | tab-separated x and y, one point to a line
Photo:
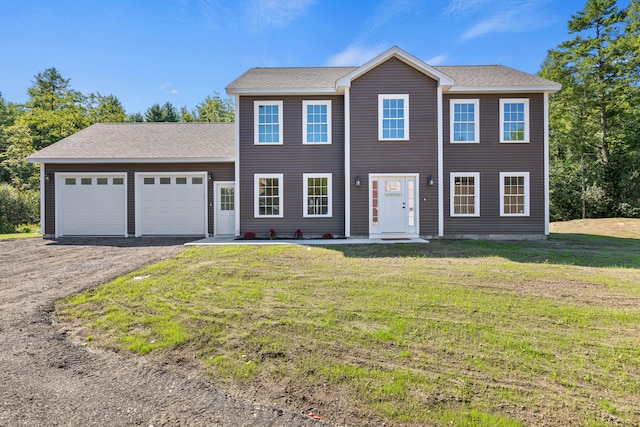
395	51
281	91
503	89
132	160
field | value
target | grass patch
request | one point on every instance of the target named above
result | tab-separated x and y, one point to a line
19	236
451	333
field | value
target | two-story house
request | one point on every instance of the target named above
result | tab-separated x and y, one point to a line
394	148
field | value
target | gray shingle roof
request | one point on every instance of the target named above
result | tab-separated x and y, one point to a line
131	142
492	75
299	79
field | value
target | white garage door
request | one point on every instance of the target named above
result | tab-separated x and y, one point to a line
91	204
171	204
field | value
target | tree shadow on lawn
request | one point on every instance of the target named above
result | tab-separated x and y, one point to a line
566	249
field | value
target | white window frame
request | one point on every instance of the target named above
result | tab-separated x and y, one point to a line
527	192
476	193
524	101
305	195
476	120
305	135
256	194
381	99
256	121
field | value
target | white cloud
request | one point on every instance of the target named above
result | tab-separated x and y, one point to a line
175	91
165	85
457	7
514	16
264	14
354	55
436	60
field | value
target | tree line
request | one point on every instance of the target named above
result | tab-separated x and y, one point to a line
54	111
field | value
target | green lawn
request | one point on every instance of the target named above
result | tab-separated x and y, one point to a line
449	333
19	236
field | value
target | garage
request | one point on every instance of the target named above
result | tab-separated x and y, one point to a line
171	204
90	204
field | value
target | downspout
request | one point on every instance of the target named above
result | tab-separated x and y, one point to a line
347	164
440	166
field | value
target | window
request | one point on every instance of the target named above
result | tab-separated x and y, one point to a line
317	195
102	181
268	122
69	181
118	181
465	194
316	122
165	181
181	180
196	180
268	195
393	117
465	120
227	202
149	181
514	120
514	193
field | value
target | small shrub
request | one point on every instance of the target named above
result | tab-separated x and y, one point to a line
249	235
272	234
327	236
298	234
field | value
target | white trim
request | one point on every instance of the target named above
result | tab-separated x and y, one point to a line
163	174
75	160
256	194
381	99
305	196
305	104
347	163
505	89
476	193
283	91
42	198
256	121
58	179
216	185
237	163
527	192
546	164
476	120
395	52
524	101
440	163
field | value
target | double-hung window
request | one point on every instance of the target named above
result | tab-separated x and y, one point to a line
393	117
268	195
317	195
514	194
514	120
465	120
465	193
316	122
267	122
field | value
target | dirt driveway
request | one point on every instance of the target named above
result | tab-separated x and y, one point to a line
46	379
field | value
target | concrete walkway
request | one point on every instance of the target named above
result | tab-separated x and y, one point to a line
219	241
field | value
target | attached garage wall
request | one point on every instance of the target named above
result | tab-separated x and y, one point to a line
220	171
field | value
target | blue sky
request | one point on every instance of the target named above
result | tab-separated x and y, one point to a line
154	51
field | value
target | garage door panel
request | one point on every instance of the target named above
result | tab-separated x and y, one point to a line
171	204
85	207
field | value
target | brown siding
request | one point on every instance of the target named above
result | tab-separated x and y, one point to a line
490	157
292	159
220	171
418	155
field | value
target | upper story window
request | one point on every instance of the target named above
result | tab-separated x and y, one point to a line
514	120
393	117
465	120
316	122
267	122
465	194
317	195
268	195
514	194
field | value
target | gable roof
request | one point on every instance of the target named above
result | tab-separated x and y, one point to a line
143	142
332	80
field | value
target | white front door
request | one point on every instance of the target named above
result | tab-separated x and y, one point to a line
225	209
393	206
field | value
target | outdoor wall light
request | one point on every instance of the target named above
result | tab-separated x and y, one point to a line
210	176
430	180
48	177
358	182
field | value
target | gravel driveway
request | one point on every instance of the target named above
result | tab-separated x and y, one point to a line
46	379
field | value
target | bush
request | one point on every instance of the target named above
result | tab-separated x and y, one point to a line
18	207
249	235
